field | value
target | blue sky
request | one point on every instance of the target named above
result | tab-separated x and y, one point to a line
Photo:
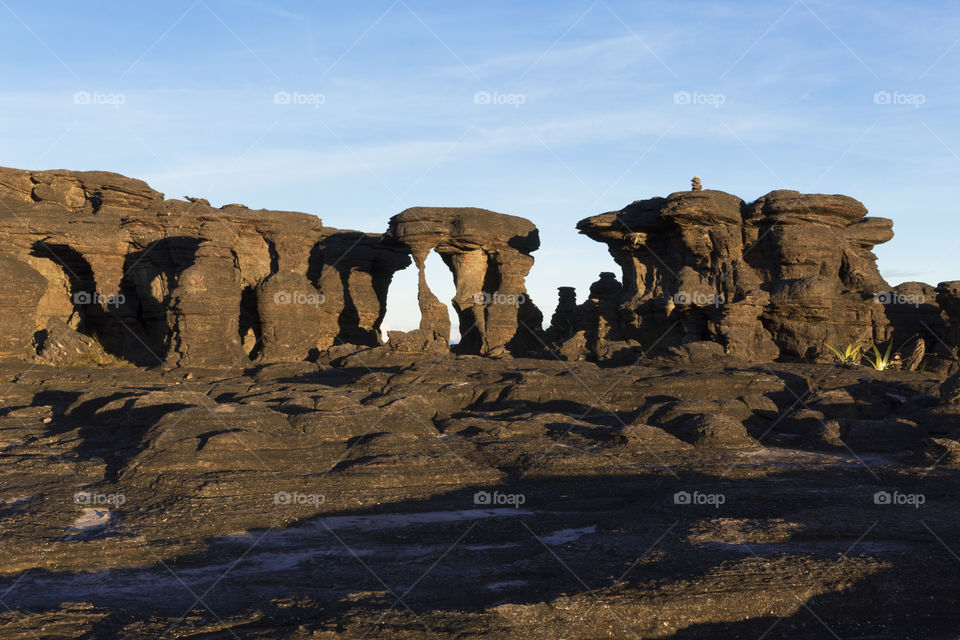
592	104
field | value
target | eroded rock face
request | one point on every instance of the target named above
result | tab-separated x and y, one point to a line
21	289
354	270
178	282
60	345
489	256
948	298
780	276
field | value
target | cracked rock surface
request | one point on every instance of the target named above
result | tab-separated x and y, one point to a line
414	495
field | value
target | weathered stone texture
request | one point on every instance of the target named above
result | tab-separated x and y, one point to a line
489	256
781	276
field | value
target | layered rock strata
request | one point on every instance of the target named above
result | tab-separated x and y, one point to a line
179	282
781	276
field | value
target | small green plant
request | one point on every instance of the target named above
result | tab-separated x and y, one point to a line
850	355
879	361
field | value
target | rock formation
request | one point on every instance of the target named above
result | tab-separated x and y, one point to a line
948	298
178	282
780	276
166	282
296	497
489	256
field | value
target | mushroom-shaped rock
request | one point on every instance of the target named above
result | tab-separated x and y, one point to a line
489	256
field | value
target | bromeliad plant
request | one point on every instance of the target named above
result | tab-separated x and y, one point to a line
879	361
850	355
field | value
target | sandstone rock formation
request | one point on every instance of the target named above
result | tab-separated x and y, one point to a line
780	276
169	282
489	256
592	327
60	345
948	298
296	497
178	282
21	289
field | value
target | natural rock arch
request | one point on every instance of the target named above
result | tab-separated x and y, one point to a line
488	254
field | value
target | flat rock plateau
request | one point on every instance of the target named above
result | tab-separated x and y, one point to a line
203	433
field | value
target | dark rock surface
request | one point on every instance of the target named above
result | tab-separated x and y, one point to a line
60	345
441	496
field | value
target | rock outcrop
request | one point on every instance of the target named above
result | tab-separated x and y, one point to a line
60	345
489	256
780	276
21	289
948	298
178	282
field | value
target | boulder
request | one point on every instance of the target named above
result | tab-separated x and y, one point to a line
219	438
61	345
641	438
889	435
948	298
418	340
715	431
950	389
